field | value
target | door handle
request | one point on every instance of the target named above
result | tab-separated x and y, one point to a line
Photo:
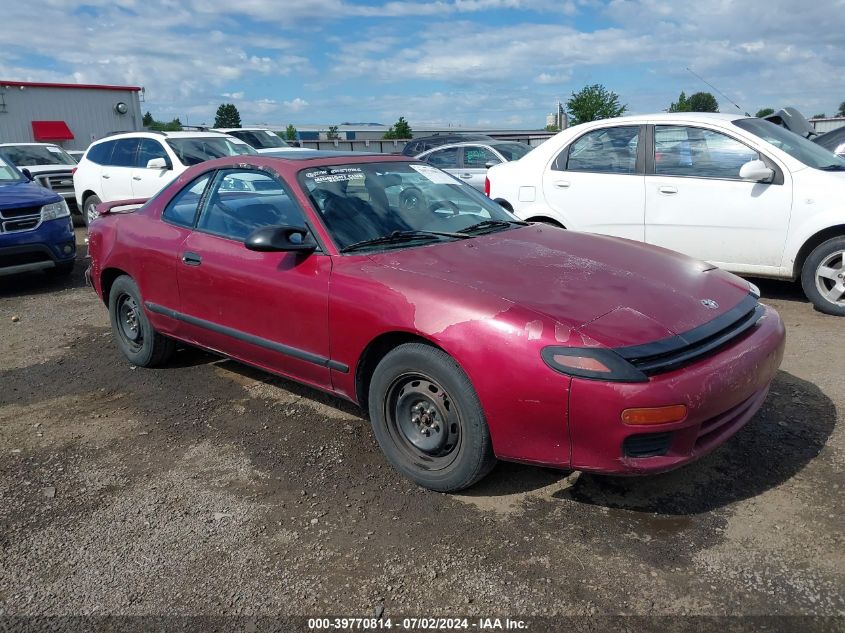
191	259
561	184
106	176
667	189
136	178
466	176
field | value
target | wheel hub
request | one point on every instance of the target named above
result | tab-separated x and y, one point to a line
421	412
830	278
129	319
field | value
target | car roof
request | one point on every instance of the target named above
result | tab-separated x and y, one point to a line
288	166
680	116
158	135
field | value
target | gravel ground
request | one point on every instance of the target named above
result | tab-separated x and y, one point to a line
209	488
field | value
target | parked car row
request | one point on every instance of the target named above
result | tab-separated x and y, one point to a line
741	193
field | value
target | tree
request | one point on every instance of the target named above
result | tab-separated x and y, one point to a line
841	109
161	126
227	116
703	102
681	105
819	116
552	128
399	130
332	134
592	103
290	133
148	119
764	112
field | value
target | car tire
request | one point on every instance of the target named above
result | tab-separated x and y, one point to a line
428	419
823	277
89	209
135	336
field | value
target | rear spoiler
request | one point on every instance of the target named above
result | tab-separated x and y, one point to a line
104	208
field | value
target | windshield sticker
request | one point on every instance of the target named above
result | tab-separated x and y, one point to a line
54	150
336	174
434	175
338	177
237	141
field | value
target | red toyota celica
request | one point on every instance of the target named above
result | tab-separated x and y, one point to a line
467	334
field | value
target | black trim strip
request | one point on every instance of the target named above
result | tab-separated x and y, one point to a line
293	352
692	337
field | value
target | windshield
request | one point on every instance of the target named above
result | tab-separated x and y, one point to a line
259	139
33	155
512	151
192	151
367	201
799	148
8	173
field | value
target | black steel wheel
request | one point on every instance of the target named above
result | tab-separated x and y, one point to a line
428	420
133	333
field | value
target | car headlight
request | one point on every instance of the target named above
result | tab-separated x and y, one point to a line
754	289
54	211
594	363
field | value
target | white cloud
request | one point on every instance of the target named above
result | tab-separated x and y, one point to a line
295	105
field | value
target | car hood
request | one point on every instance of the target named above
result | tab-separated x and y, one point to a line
614	291
25	194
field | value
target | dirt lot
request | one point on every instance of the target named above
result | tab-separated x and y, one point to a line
209	488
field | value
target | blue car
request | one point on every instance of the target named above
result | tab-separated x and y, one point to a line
36	230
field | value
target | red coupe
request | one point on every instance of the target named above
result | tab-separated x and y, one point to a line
467	334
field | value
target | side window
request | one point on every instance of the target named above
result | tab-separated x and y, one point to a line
241	201
148	150
477	157
444	158
124	153
611	150
182	209
699	153
101	153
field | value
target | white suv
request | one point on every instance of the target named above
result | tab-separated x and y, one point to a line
139	164
262	140
740	192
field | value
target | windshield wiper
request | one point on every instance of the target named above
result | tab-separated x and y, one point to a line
398	237
491	224
833	168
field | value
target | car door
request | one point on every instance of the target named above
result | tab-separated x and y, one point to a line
116	175
148	181
267	308
475	160
596	183
445	158
697	204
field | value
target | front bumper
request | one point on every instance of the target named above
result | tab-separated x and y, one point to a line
721	393
51	244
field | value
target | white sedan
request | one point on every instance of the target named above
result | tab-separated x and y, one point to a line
739	192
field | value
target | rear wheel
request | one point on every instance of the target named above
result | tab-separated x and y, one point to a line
135	336
428	420
89	209
823	277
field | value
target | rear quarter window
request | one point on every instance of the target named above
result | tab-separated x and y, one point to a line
100	153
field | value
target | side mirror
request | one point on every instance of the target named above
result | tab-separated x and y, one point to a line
490	163
291	239
756	171
159	163
27	174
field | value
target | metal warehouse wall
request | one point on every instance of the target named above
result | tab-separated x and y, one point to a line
88	112
826	125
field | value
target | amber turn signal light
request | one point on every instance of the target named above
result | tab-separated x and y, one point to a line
655	415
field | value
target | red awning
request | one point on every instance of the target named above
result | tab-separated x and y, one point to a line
51	131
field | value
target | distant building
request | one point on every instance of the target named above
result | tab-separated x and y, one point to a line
827	124
70	115
558	118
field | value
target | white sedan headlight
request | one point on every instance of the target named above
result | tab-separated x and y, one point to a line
54	211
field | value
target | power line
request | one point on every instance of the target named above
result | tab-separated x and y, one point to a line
731	101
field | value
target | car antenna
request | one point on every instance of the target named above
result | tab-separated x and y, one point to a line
731	101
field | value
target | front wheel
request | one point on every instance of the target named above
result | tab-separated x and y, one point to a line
823	277
428	420
134	334
89	209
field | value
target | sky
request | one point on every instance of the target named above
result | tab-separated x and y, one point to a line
500	63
